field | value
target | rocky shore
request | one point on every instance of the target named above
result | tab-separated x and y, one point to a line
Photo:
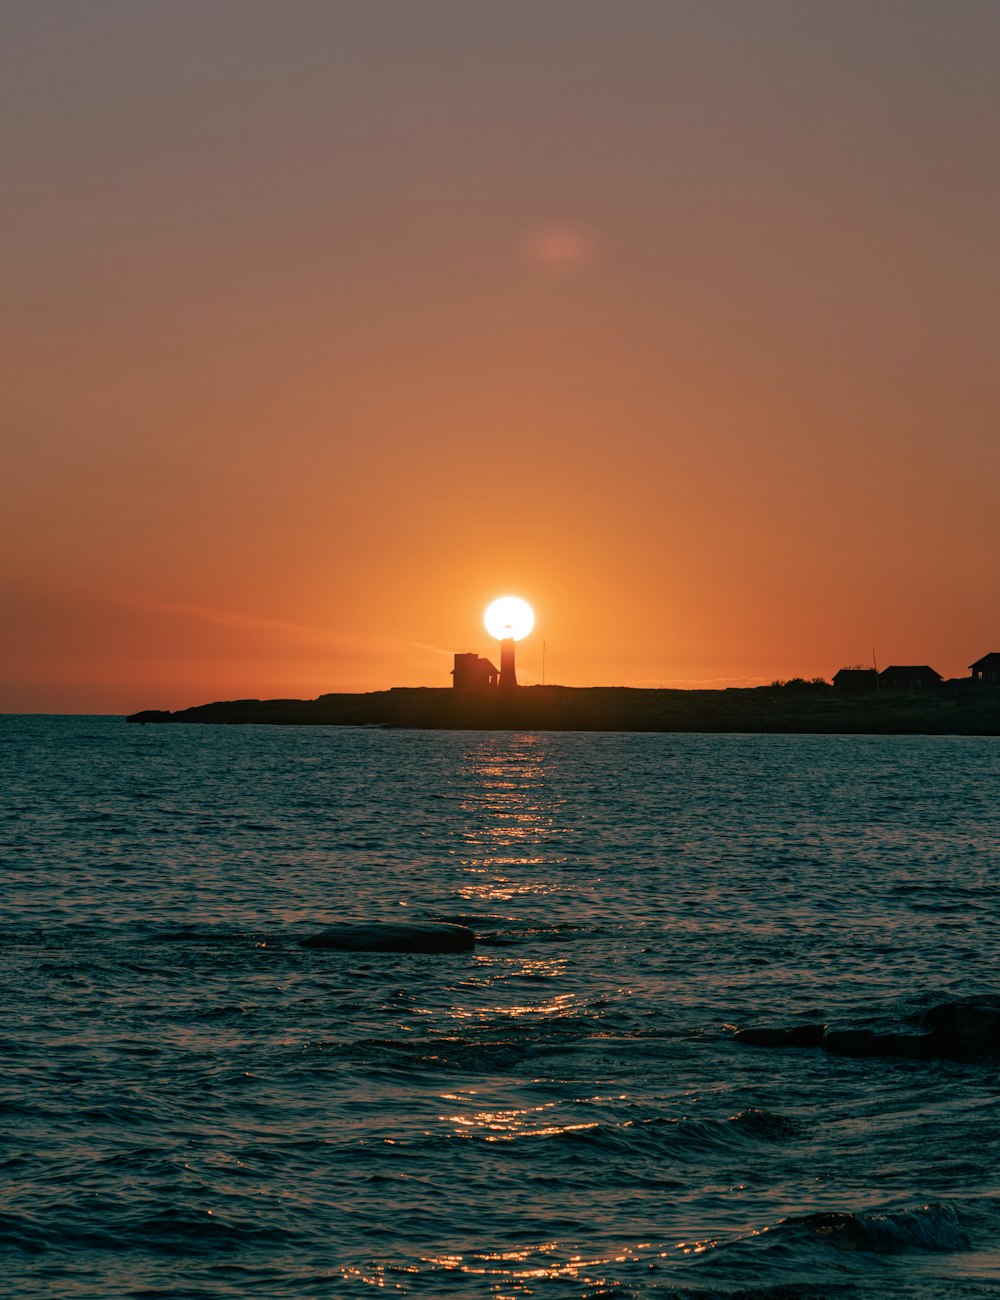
958	708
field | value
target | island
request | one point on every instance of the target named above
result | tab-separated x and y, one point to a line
962	708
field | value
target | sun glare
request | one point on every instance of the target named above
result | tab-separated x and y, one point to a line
509	616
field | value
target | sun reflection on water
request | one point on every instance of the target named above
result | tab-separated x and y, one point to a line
511	825
511	1123
515	1273
512	844
501	889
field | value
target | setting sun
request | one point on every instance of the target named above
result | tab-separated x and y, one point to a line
509	616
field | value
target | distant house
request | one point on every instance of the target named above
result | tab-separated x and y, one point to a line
986	671
472	673
908	678
848	681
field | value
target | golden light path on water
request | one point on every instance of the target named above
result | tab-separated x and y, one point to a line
510	846
515	1274
518	1272
508	816
512	836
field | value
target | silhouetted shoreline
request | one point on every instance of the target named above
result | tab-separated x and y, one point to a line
959	708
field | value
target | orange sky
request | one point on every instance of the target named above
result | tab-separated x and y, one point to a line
326	323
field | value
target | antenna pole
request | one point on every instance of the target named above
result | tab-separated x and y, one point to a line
875	666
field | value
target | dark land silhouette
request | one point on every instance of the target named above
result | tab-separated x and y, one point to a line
961	707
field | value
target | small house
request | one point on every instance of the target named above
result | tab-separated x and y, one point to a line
849	681
986	671
473	673
908	678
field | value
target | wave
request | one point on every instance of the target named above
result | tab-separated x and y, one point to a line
679	1137
837	1244
577	1135
167	1230
934	1227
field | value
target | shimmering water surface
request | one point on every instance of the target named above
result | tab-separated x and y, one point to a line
194	1105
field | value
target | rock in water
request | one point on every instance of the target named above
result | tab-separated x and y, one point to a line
798	1036
971	1025
393	936
962	1028
865	1042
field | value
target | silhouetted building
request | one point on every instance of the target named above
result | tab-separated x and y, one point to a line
986	671
473	674
908	678
508	677
852	680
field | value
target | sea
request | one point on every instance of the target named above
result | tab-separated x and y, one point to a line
193	1104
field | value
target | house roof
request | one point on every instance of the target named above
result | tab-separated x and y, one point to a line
911	670
478	660
854	672
992	660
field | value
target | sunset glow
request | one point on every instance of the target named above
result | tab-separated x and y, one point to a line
681	313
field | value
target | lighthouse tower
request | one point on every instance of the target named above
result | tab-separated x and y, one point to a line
508	677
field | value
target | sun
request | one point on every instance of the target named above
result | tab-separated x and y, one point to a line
510	616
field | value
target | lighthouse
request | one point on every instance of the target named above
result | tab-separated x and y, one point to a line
508	677
509	619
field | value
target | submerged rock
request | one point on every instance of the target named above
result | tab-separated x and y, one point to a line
799	1036
951	1030
866	1042
971	1026
393	936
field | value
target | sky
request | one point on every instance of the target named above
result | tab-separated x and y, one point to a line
325	323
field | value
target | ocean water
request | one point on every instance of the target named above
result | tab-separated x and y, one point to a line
194	1105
